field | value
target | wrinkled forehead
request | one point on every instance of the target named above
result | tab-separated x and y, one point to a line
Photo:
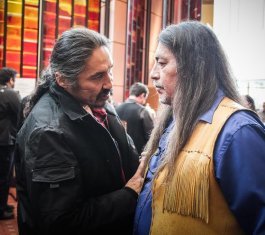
163	52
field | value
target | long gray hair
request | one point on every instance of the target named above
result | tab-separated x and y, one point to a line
202	69
69	56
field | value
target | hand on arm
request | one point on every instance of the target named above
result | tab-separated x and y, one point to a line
136	182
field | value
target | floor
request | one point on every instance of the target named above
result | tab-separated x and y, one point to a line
9	227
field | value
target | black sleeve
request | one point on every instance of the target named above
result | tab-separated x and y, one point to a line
148	123
133	157
14	106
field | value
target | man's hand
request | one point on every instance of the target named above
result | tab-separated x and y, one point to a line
136	182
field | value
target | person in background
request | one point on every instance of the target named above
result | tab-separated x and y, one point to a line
111	100
206	154
136	117
249	102
151	111
9	109
262	113
76	167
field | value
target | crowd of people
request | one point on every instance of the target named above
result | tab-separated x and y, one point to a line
85	166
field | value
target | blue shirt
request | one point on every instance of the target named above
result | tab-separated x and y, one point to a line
239	161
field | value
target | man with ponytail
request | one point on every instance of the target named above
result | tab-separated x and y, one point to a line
206	154
76	167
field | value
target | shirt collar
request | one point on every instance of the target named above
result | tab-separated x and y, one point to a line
3	86
130	101
208	115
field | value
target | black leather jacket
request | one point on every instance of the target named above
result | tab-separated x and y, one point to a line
68	169
9	109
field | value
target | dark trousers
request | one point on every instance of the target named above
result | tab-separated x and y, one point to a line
6	170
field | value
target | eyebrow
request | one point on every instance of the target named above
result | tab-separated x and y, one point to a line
101	72
157	57
97	74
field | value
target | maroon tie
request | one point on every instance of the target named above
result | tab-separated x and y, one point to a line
101	115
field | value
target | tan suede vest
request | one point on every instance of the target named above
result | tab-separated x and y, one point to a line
193	204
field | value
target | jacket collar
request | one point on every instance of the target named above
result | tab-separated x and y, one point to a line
71	107
130	101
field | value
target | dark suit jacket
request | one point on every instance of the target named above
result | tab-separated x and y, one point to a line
138	121
9	109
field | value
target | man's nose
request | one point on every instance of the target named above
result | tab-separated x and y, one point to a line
154	74
108	82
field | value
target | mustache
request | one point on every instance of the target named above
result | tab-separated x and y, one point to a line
159	86
105	92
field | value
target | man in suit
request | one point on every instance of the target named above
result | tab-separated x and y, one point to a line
9	109
135	115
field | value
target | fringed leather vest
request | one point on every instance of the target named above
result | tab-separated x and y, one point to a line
193	203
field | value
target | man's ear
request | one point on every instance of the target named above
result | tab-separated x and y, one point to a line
11	83
143	95
142	99
60	80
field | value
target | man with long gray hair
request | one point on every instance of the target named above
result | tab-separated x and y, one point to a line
76	167
207	152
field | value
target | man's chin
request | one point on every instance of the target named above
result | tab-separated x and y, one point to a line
165	101
100	104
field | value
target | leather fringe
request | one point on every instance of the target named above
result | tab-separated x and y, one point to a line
188	193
